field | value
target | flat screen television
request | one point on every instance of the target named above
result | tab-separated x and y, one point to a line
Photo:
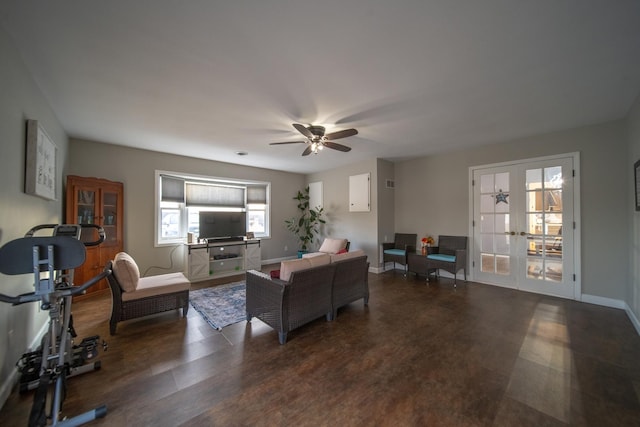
223	225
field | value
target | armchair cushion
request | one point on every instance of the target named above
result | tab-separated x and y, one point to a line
442	257
332	246
152	286
126	271
400	252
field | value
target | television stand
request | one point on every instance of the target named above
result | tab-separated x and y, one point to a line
221	257
214	240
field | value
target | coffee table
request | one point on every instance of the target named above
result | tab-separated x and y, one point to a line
417	263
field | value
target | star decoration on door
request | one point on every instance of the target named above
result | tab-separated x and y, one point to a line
502	197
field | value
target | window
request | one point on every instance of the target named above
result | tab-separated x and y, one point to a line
181	198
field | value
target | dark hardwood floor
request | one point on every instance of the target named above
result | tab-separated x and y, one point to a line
417	355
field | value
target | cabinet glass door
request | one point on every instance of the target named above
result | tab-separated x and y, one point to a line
86	212
109	215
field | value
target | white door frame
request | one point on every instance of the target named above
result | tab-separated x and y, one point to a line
577	291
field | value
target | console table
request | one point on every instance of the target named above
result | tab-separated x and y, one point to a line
417	263
220	259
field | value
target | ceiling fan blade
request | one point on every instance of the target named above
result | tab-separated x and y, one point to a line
336	146
288	142
303	130
341	134
307	151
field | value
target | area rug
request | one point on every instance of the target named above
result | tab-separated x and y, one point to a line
221	305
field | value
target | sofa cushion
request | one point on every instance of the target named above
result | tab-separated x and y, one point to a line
289	266
319	259
158	285
332	246
126	271
441	257
347	255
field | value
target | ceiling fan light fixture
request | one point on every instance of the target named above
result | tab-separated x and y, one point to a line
317	140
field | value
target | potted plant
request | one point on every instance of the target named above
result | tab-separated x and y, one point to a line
306	224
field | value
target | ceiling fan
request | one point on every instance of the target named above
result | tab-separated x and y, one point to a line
317	139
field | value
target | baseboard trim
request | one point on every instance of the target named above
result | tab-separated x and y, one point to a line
633	318
603	301
613	303
14	377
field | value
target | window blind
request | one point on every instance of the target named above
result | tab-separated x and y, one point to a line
218	196
172	189
257	194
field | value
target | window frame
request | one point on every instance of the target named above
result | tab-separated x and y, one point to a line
159	241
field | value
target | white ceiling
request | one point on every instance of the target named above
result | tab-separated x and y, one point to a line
208	78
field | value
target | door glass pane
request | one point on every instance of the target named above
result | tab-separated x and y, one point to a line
503	264
534	224
534	268
502	223
502	182
486	184
535	245
553	270
486	203
488	263
533	179
486	223
502	245
486	243
553	177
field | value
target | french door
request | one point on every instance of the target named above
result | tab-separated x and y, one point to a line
523	226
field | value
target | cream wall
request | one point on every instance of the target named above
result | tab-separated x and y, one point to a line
136	169
359	227
386	206
21	99
432	196
633	288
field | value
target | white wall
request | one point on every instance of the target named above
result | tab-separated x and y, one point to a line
21	100
432	196
633	288
359	227
386	206
136	169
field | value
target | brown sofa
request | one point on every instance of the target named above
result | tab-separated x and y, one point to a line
308	291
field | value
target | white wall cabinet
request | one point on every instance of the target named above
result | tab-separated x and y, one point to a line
212	260
359	193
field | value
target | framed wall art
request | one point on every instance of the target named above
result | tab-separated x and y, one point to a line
41	171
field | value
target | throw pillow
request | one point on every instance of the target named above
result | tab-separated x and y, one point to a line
126	271
332	246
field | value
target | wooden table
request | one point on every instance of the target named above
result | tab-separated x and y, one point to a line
417	263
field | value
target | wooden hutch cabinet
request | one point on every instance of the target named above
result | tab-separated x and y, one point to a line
95	201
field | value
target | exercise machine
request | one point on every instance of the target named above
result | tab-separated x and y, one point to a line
51	260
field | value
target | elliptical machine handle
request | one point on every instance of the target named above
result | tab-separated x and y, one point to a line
75	290
32	231
20	299
101	234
